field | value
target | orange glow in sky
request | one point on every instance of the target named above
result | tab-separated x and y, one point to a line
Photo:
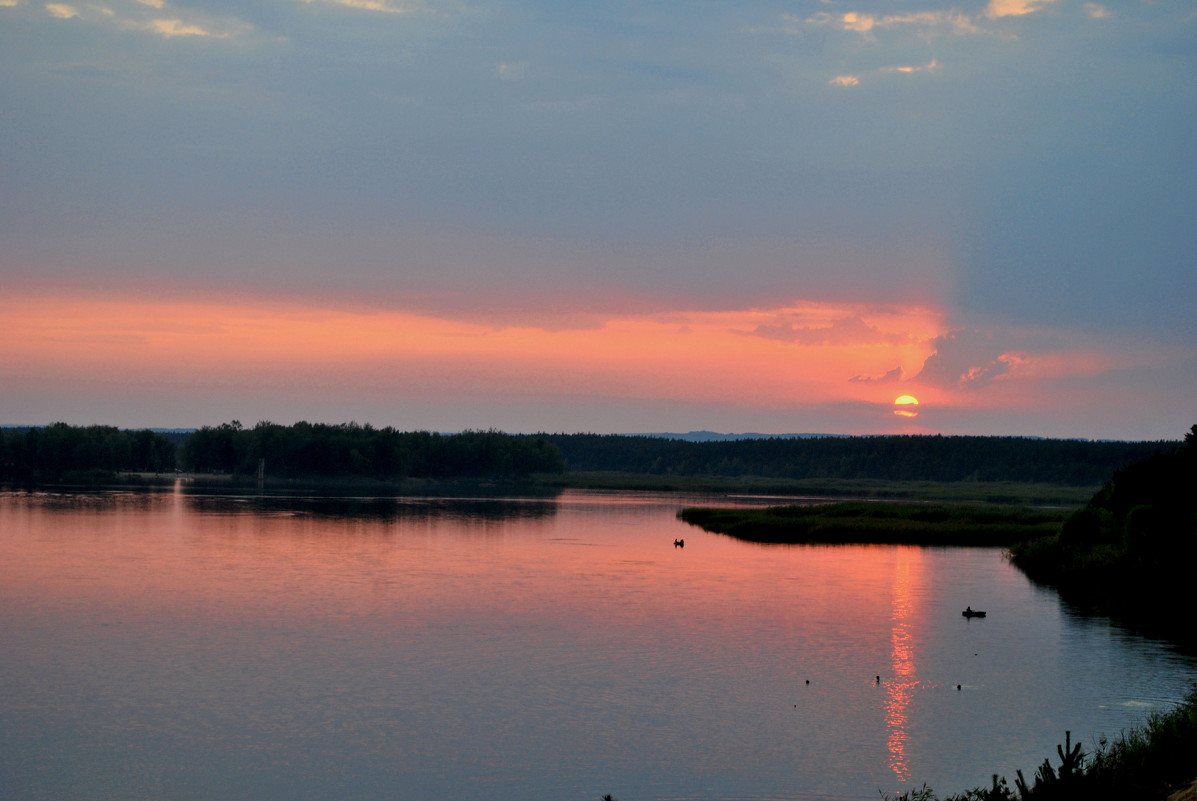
798	354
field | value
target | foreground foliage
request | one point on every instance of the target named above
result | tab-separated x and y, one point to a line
888	523
1146	764
1132	547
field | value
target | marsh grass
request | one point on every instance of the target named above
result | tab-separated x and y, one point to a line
882	523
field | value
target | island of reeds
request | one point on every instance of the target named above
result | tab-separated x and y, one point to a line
881	523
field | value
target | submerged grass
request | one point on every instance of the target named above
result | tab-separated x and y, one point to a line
881	523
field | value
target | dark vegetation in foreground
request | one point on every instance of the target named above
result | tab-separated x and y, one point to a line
1131	550
1147	763
888	523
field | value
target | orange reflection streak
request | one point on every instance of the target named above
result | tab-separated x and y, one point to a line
777	357
901	686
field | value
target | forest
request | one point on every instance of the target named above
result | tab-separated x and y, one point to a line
352	451
60	451
893	458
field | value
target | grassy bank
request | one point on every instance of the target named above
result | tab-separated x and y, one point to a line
888	523
1147	763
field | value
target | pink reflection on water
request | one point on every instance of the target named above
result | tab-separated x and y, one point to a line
900	686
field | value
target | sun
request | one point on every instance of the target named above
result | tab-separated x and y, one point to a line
904	406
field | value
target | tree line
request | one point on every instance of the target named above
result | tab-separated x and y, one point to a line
352	450
893	458
362	451
52	452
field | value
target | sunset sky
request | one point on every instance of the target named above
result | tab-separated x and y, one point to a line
602	216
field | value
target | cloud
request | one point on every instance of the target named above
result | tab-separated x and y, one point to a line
512	71
384	6
928	67
1013	8
869	24
891	377
968	358
861	23
955	20
1096	11
61	10
140	16
171	28
843	331
845	80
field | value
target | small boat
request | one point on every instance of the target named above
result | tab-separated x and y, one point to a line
970	612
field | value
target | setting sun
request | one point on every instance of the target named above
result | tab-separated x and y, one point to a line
904	406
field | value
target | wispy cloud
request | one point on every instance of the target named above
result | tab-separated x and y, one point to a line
922	22
861	23
1014	8
845	80
146	15
928	67
1096	11
891	377
843	331
172	28
384	6
512	71
62	11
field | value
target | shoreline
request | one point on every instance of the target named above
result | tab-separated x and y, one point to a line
1003	493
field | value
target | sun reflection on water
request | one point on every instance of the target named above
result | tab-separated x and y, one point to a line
900	685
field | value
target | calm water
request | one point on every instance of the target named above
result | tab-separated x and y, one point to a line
174	646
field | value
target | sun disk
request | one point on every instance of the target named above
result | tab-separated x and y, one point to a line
904	406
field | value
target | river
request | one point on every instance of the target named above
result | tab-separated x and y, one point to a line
180	645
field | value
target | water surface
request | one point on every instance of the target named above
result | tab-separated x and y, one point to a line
179	646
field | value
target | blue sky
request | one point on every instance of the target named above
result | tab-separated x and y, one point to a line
1025	170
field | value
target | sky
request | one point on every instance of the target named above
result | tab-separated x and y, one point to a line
609	217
